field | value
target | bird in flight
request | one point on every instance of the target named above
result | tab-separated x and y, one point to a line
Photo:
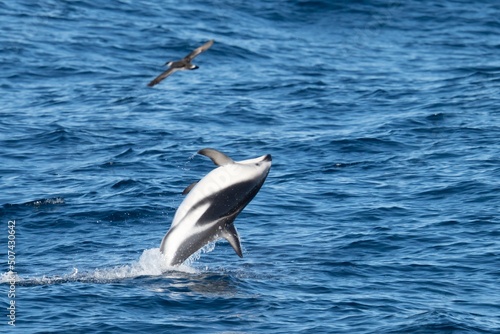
183	64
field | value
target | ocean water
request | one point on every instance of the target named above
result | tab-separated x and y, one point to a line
380	213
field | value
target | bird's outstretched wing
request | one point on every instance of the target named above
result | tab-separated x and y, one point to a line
162	76
199	50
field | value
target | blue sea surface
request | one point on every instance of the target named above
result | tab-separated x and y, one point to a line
380	213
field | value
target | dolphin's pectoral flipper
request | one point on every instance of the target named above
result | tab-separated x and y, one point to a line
230	234
188	188
219	158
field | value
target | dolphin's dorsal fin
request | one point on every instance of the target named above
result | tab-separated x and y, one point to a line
231	235
188	188
219	158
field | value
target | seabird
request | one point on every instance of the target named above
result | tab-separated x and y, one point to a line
183	64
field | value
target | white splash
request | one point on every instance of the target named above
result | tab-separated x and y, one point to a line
203	250
151	263
9	277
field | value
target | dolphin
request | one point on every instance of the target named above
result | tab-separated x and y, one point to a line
183	64
208	212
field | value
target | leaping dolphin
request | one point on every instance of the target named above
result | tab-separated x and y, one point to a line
212	204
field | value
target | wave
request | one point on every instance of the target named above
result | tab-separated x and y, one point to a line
38	202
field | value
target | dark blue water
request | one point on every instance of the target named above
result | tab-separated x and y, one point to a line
380	213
